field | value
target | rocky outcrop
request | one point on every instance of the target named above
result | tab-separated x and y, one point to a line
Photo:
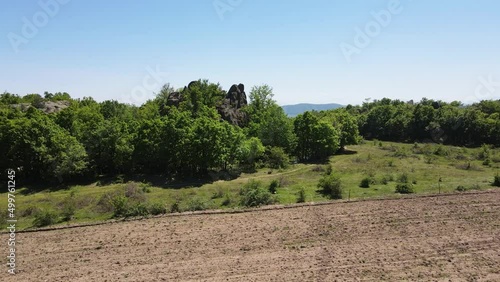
174	99
230	108
48	107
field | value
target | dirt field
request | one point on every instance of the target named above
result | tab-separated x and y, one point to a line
447	238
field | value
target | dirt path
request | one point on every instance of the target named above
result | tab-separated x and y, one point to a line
452	238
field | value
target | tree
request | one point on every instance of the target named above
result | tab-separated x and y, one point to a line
40	148
251	150
316	140
348	126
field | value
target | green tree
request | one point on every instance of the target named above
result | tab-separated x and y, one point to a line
316	140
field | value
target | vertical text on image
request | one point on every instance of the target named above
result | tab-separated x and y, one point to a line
11	220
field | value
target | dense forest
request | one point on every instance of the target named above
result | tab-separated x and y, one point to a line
201	128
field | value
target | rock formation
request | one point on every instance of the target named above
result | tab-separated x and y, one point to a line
230	108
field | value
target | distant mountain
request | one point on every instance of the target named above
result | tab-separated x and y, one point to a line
294	110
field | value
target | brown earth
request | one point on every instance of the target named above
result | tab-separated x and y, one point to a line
445	238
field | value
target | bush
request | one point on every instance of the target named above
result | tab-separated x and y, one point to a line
157	209
329	169
365	182
301	197
139	209
197	204
227	200
484	153
273	187
442	151
405	188
403	178
331	186
496	180
219	193
134	192
461	188
45	218
253	195
120	206
175	207
277	158
68	209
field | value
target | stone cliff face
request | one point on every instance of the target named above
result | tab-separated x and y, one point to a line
230	108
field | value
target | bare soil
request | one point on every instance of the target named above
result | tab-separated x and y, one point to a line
441	238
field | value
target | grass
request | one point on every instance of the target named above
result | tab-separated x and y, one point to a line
422	165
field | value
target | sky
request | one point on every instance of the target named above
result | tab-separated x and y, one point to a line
309	51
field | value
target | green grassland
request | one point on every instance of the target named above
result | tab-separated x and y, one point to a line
430	168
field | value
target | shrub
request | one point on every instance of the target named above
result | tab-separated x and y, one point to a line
496	180
68	209
461	188
197	204
403	178
134	192
277	158
139	209
253	195
219	193
329	169
227	200
120	206
157	209
175	207
45	218
105	203
441	151
484	153
273	187
405	188
301	197
365	182
331	186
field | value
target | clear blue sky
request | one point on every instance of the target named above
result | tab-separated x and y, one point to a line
435	49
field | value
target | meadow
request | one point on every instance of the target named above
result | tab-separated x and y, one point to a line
372	169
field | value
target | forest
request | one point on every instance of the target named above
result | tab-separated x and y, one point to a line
193	135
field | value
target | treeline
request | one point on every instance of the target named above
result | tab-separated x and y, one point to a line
88	138
430	121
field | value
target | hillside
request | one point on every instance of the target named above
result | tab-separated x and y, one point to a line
294	110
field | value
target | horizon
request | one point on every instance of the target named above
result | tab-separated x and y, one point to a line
309	52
